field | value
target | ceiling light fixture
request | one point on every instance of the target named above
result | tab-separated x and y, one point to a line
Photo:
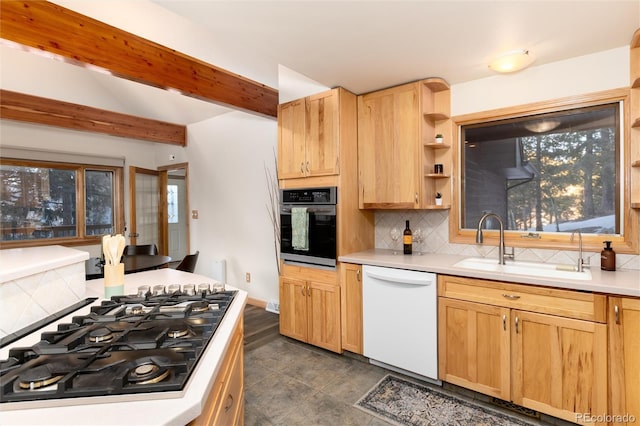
512	61
542	126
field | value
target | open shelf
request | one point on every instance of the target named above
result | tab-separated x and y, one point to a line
436	175
436	116
436	145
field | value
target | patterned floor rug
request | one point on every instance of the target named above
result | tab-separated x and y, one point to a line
402	402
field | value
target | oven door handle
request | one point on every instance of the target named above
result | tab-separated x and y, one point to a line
310	210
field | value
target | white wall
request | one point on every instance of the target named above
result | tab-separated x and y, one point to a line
227	185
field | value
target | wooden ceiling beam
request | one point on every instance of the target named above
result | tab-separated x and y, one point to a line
81	40
34	109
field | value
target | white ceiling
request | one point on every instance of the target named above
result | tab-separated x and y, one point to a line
359	45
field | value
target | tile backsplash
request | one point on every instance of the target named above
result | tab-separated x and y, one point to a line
26	300
435	227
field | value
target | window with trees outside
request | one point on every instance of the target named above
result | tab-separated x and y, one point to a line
58	203
547	172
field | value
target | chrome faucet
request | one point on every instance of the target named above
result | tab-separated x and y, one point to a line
580	260
501	248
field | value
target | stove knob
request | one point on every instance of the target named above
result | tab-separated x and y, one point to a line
143	290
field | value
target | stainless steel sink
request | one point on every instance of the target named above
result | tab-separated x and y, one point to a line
532	269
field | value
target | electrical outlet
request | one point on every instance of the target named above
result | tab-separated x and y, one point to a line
247	277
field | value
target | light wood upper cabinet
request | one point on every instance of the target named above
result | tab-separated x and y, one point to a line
396	146
322	138
291	139
624	350
388	148
351	301
542	348
308	137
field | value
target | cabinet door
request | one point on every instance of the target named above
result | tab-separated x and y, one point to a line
389	148
559	365
291	139
351	300
473	346
624	347
324	315
293	308
322	138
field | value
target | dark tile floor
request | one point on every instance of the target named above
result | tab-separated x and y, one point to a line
290	383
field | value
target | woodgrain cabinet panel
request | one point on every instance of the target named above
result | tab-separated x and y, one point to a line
309	137
388	148
624	352
225	404
474	346
310	306
351	301
291	139
559	365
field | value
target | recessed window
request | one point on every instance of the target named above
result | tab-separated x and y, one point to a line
545	173
547	169
57	203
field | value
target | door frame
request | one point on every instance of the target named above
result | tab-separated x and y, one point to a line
163	218
133	232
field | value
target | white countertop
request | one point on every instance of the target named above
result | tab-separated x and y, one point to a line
165	408
620	282
21	262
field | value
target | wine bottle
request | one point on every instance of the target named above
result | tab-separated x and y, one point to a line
407	239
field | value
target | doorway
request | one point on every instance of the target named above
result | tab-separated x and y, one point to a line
175	220
144	188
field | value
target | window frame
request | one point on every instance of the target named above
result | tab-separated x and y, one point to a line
626	243
81	238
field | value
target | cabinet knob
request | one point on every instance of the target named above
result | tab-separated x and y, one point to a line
358	275
302	167
504	322
307	167
517	325
416	198
616	310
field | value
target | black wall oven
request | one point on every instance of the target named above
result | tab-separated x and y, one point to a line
319	207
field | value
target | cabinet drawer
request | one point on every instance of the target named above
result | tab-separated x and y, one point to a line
566	303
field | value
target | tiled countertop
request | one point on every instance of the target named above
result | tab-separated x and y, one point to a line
620	282
160	408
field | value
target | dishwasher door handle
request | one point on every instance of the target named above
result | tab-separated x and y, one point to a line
396	280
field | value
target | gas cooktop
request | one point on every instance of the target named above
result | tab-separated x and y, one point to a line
147	342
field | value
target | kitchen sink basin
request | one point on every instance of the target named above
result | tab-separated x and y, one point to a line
532	269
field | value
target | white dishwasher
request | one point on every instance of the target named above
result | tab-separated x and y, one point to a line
400	319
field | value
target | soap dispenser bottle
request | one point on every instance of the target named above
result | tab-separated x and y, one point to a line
608	258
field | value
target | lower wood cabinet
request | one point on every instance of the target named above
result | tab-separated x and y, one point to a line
310	306
512	347
225	405
351	300
624	350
